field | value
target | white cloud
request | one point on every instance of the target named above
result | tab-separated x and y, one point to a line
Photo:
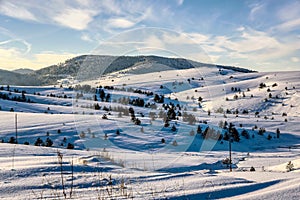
12	10
240	29
289	11
24	46
75	18
288	25
255	10
180	2
78	14
86	37
154	41
294	59
11	59
120	23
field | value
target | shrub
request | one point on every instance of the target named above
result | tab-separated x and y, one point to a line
12	140
261	131
192	133
39	142
290	166
137	121
82	134
174	143
262	85
226	161
245	134
167	124
70	146
49	142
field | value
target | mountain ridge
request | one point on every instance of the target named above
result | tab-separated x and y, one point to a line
86	67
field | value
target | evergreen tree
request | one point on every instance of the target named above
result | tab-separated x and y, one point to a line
49	142
199	130
39	142
173	128
277	132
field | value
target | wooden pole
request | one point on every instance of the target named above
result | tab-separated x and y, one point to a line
16	126
230	167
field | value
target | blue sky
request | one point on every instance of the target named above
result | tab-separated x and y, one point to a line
260	35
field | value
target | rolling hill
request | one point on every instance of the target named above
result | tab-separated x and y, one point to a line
119	146
88	67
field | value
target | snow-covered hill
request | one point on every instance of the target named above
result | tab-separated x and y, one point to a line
116	156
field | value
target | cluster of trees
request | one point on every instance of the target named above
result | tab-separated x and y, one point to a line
137	102
39	142
262	85
85	88
102	96
60	96
189	118
159	98
134	119
18	98
235	89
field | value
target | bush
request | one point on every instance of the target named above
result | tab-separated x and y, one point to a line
175	143
49	142
192	133
245	134
82	134
104	116
290	166
70	146
261	131
39	142
226	161
12	140
137	121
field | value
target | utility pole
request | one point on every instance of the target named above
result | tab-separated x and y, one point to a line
16	126
230	142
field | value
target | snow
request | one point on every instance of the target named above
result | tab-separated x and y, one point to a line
136	164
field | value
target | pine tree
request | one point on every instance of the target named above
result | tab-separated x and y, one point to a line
277	132
173	128
199	130
49	142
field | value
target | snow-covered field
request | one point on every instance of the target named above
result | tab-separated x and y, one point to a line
115	158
